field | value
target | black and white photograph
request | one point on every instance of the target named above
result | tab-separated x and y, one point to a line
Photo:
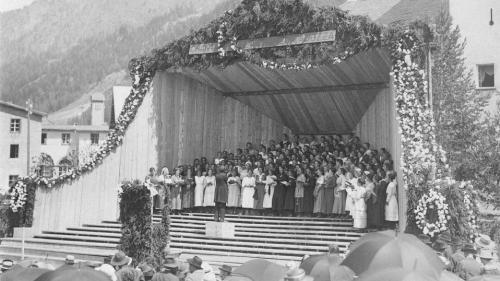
249	140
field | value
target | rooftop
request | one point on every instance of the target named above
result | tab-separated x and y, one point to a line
18	107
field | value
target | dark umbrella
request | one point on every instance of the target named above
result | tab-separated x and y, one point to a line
486	278
327	268
380	250
27	274
395	274
76	274
261	270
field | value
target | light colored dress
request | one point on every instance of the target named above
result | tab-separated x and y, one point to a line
319	193
208	197
359	214
339	195
175	192
248	190
234	192
391	209
349	201
198	190
268	196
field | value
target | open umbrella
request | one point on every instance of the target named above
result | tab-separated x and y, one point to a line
327	268
76	274
486	278
261	270
37	264
394	274
448	276
27	274
380	250
238	278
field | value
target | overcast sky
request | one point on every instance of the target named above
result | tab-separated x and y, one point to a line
7	5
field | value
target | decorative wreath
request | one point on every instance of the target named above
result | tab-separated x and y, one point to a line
17	196
432	200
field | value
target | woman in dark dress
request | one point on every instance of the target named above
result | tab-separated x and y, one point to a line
279	191
220	195
188	190
289	201
308	192
374	218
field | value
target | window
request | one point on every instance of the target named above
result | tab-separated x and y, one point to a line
486	77
64	165
44	138
65	138
14	151
12	180
15	125
94	138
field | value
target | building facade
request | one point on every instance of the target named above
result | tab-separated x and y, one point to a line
14	142
479	23
66	145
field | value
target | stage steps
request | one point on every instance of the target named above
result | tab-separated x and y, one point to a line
279	239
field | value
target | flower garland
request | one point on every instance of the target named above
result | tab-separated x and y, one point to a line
18	196
469	207
432	200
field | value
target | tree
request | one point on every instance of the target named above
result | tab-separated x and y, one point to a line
467	133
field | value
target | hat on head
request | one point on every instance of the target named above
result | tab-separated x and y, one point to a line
439	245
6	264
120	259
147	270
469	247
70	259
486	254
226	268
297	274
171	264
196	262
484	242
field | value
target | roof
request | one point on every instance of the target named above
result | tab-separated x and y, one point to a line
79	128
120	93
331	98
18	107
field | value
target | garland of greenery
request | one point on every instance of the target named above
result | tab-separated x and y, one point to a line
161	232
422	160
136	220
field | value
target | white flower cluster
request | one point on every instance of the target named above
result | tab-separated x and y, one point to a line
18	196
469	208
432	200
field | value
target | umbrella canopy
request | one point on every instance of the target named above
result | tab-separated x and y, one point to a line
448	276
37	264
394	274
26	274
238	278
486	278
380	250
261	270
76	274
327	268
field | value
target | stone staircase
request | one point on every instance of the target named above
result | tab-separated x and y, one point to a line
278	239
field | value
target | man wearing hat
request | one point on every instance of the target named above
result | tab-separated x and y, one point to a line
196	272
225	271
69	262
489	266
168	272
122	262
108	269
469	267
6	265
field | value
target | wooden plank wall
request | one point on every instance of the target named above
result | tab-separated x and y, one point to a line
93	197
195	120
379	127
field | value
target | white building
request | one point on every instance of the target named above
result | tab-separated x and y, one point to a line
479	23
14	142
68	144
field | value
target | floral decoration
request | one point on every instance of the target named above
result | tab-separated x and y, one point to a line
18	196
434	201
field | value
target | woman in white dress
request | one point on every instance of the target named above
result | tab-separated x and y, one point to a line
209	192
391	205
199	180
268	195
349	188
247	192
234	190
175	191
165	181
359	214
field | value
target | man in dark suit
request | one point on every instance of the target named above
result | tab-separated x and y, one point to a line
220	196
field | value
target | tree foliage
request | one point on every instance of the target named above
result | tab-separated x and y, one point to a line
136	220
